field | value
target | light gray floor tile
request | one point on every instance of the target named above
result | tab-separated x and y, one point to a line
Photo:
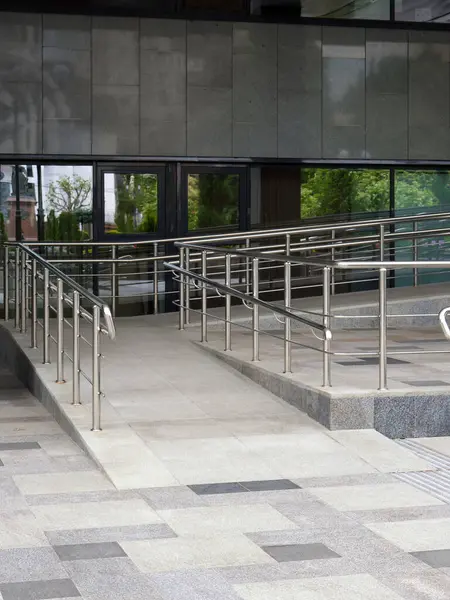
400	514
30	564
20	529
62	483
89	551
214	519
91	514
193	553
110	586
110	534
298	552
347	480
372	497
172	497
39	590
428	585
193	585
43	499
348	587
416	535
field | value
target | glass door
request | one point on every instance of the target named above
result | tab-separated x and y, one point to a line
131	202
214	198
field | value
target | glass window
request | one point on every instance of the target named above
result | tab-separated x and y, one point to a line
345	192
343	9
437	11
66	202
131	203
275	195
213	200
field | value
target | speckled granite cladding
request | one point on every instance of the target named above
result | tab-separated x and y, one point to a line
395	415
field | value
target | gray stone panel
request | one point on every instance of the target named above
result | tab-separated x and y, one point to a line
209	129
429	143
67	84
115	127
386	61
67	31
255	98
163	88
300	58
20	118
209	54
344	142
20	47
299	124
387	126
343	42
67	136
115	48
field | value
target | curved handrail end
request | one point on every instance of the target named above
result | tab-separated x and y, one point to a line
443	321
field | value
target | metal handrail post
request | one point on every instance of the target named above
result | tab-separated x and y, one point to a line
255	312
415	255
182	290
247	268
383	329
60	332
228	303
46	316
6	284
204	300
17	290
327	290
287	320
96	403
187	283
333	258
382	240
114	286
23	293
76	350
155	279
34	317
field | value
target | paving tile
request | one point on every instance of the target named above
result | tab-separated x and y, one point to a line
214	519
265	486
400	514
431	383
296	552
110	534
201	584
83	569
20	529
62	483
19	446
81	497
111	586
217	488
91	514
433	584
89	551
191	553
372	497
39	590
349	587
434	558
30	564
415	535
172	497
346	480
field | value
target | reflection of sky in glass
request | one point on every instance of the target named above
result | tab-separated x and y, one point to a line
345	9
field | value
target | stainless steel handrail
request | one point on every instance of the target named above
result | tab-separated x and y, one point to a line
32	276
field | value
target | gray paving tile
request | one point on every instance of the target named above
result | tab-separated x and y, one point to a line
201	584
19	446
110	534
423	383
80	497
111	586
30	564
89	551
172	497
345	480
435	558
217	488
39	590
83	569
297	552
41	419
271	485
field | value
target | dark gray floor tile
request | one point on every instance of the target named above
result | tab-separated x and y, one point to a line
435	558
20	446
216	488
297	552
268	486
89	551
39	590
423	383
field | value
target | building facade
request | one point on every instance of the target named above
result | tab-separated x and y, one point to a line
256	118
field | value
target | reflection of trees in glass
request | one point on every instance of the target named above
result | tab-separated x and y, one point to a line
422	189
69	199
213	200
343	191
136	203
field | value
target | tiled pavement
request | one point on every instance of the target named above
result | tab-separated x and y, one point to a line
356	534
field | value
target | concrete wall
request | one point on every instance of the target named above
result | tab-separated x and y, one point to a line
112	86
